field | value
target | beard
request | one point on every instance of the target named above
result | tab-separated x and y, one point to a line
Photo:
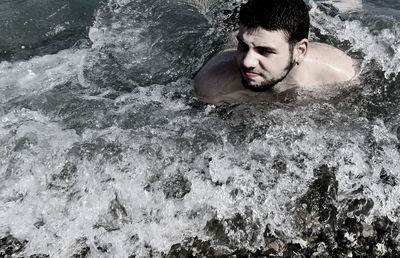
270	83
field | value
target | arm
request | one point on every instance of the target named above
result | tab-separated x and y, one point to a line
218	76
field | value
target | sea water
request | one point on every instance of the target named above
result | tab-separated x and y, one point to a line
105	152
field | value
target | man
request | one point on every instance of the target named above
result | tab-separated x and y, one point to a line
273	55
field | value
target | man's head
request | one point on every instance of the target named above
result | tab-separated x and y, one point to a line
272	38
289	16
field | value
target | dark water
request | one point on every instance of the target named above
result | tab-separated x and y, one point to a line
30	28
105	153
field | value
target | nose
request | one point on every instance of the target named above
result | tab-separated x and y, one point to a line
249	60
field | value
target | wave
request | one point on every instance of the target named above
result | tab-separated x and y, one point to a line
104	152
365	35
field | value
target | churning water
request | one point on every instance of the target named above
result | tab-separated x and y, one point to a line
104	152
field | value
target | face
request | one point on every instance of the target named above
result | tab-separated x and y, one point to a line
263	57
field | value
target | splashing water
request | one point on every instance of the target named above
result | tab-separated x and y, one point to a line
105	152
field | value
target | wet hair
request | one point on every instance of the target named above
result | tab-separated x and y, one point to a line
290	16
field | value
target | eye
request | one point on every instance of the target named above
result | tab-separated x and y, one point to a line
242	46
264	51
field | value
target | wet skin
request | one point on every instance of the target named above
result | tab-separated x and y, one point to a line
265	64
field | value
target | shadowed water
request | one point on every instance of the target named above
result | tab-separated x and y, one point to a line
104	152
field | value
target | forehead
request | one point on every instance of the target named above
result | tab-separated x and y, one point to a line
261	37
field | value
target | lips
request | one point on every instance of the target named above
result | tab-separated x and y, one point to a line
251	75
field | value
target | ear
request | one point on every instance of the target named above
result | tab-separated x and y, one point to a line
300	50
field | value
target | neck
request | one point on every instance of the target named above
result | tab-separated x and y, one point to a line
290	81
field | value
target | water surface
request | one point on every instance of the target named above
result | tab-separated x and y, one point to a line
104	152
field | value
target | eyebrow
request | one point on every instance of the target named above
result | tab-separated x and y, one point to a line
265	48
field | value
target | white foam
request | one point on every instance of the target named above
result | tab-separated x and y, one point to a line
346	5
226	175
382	47
39	74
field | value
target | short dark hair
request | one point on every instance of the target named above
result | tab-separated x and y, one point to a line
290	16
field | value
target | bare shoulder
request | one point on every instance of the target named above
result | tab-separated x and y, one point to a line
321	50
331	64
218	76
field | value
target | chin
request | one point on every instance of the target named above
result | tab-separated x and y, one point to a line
258	86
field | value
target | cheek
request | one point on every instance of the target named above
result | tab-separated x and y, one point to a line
239	57
274	63
268	64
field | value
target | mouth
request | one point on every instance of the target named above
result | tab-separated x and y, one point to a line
251	75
